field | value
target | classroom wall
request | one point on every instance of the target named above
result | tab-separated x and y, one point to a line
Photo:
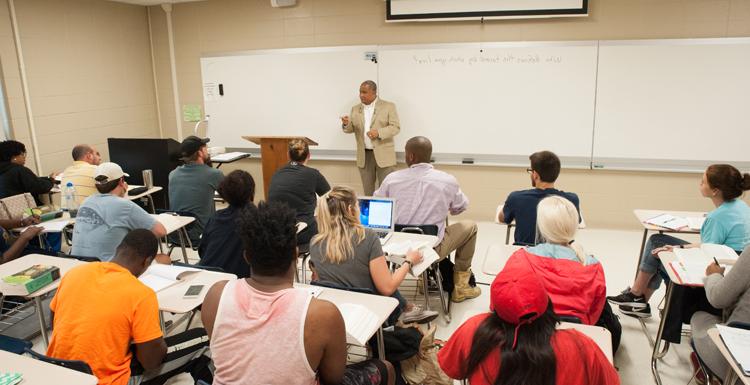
89	72
608	197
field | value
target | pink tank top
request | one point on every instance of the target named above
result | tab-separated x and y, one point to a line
258	337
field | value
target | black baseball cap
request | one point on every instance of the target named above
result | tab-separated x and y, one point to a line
192	144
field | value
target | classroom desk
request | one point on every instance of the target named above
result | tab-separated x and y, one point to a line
644	215
146	194
496	256
172	299
665	257
734	372
601	336
381	305
37	372
16	265
176	223
398	237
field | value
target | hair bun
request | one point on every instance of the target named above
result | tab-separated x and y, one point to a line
745	184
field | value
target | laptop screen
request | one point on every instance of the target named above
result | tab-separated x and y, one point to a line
376	213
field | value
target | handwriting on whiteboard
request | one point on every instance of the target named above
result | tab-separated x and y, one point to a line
508	59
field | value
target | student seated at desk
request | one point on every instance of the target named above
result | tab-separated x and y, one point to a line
728	224
299	187
346	253
101	308
518	342
19	247
426	196
521	205
574	280
16	178
265	331
221	245
731	293
81	172
105	218
192	185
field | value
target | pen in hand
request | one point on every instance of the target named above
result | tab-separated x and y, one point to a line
716	261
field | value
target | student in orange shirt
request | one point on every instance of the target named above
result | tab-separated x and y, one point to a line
101	307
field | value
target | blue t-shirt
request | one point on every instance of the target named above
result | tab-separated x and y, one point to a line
521	207
728	224
102	222
551	250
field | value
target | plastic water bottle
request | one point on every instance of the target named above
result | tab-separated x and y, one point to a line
69	197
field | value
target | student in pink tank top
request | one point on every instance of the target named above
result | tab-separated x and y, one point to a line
264	331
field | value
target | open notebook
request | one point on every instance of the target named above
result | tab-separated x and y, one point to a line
159	277
673	222
397	250
690	264
359	321
738	343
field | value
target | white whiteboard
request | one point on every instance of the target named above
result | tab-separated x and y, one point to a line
510	99
285	92
680	104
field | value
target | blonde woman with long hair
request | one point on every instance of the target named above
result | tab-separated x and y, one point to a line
345	253
557	226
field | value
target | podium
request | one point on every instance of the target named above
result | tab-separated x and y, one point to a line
274	153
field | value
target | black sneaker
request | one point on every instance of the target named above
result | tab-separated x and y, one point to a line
629	299
642	312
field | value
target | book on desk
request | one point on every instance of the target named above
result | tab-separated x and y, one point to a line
397	251
690	264
676	223
358	320
737	342
159	277
34	277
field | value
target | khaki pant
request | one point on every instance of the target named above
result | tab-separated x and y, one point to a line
371	171
462	237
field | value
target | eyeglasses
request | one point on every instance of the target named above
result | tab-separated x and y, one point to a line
529	170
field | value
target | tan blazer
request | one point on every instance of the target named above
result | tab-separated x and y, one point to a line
385	120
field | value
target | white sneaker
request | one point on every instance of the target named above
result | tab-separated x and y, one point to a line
418	315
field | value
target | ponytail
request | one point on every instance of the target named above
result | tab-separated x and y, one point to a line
338	224
727	179
557	222
745	184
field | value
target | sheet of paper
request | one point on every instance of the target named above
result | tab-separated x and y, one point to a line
738	343
360	323
429	256
210	92
191	113
156	282
228	157
668	221
722	253
695	223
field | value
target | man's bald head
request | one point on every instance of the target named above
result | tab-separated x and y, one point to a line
418	150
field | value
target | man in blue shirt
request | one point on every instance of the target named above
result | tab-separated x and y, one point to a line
192	185
104	219
521	205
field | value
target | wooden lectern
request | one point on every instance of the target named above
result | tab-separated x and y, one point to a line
274	153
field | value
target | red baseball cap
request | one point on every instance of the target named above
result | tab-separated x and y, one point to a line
518	297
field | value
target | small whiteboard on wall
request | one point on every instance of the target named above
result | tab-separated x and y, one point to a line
284	92
672	104
496	102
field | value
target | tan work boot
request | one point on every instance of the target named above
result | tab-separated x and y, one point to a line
461	288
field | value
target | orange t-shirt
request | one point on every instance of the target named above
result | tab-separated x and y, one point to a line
99	309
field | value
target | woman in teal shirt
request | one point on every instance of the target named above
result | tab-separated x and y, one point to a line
728	224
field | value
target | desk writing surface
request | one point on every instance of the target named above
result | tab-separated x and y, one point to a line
173	223
397	237
644	215
16	265
601	336
496	256
37	372
143	194
172	299
715	336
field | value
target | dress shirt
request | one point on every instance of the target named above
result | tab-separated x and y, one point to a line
424	196
369	112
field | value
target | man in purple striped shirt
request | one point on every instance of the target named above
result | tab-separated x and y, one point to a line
425	196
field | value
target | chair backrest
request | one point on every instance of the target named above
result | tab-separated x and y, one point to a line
79	366
13	345
333	285
80	258
207	268
12	207
417	229
740	325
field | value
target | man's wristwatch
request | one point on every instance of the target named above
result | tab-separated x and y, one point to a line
411	264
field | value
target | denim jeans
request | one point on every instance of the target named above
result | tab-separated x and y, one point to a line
650	264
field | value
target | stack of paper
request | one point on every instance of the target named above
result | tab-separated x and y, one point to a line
738	343
690	265
399	249
159	277
229	156
668	221
361	323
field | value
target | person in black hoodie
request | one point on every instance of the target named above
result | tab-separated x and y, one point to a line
15	178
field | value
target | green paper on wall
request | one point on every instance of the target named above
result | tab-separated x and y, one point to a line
191	113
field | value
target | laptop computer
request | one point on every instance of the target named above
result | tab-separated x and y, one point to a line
378	214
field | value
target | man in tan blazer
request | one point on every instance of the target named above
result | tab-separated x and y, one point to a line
374	123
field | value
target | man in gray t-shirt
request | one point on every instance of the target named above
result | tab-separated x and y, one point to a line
105	218
192	186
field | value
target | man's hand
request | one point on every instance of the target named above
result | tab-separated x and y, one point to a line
31	233
714	269
345	120
163	259
30	220
373	133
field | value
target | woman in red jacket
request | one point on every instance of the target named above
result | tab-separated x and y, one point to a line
518	343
